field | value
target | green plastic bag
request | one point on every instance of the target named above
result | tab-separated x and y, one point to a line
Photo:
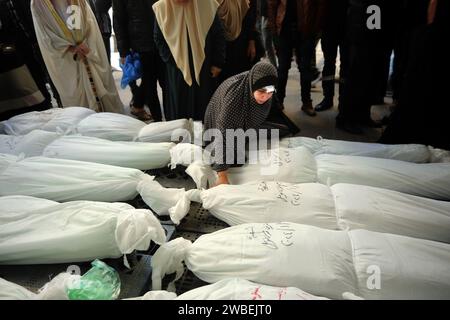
101	282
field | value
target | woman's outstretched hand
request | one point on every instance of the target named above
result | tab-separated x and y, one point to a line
223	178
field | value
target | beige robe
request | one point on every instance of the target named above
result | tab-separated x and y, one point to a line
232	14
180	23
70	76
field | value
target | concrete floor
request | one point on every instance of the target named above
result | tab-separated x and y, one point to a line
321	125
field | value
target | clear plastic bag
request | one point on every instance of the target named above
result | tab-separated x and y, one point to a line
101	282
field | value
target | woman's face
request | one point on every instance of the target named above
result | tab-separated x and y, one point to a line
261	96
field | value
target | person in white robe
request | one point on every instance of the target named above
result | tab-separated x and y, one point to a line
73	50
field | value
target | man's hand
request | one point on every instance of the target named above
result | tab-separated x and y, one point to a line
215	71
81	50
122	60
223	178
251	50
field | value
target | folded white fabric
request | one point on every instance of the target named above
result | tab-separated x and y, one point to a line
51	232
110	126
68	180
322	262
138	155
431	180
48	120
405	152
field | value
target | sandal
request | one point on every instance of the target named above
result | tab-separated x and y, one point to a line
140	113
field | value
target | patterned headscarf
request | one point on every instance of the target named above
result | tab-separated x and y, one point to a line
233	105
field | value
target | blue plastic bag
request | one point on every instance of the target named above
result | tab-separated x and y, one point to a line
132	69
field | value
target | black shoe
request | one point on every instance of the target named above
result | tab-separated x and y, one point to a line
324	105
349	127
308	109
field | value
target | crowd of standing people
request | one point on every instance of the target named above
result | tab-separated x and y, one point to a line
60	50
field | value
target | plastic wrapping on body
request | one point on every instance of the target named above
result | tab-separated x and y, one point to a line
101	282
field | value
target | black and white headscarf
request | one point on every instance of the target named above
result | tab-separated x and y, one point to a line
233	105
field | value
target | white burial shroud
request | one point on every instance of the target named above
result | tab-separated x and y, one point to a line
322	262
298	165
68	180
38	231
342	206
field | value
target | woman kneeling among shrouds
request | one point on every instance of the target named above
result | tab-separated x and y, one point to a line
244	102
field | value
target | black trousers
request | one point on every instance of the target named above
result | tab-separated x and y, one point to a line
422	114
147	92
381	75
331	43
106	38
363	75
288	40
